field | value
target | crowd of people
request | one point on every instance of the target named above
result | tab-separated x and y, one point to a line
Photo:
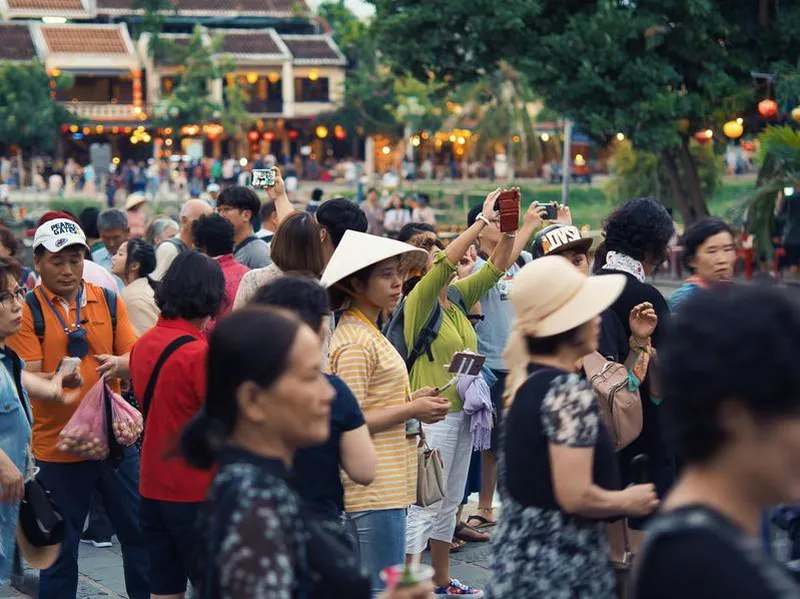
308	431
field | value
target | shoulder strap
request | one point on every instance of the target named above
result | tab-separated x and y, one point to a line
179	245
151	384
36	312
426	337
245	242
111	302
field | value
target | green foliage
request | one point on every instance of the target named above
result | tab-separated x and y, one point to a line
190	101
639	173
29	116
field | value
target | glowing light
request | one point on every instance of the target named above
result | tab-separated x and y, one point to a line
98	129
740	120
461	141
137	110
708	133
55	72
415	141
168	142
425	135
54	20
243	161
87	130
313	74
293	134
788	191
580	160
273	77
516	139
545	137
252	78
620	136
73	128
733	129
168	131
339	132
386	150
321	131
253	135
452	139
134	140
115	160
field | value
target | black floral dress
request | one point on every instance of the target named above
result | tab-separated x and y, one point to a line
539	550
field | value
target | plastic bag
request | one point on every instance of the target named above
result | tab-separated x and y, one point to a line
126	421
86	433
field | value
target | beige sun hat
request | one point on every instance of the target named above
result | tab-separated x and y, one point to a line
357	251
551	296
40	558
135	199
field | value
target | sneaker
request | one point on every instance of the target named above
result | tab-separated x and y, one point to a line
99	542
456	588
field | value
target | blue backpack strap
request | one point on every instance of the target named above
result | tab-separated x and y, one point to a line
36	312
111	302
426	338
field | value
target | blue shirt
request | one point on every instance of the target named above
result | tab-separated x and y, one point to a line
15	439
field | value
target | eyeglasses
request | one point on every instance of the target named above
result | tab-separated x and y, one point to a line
431	242
7	298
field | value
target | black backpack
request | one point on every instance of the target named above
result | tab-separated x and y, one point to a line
38	317
394	329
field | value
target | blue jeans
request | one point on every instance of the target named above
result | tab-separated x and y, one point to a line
380	537
71	486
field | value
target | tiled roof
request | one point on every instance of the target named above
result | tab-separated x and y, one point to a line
252	43
261	7
50	5
17	42
84	40
313	49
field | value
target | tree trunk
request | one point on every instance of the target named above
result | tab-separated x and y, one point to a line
671	166
692	180
763	14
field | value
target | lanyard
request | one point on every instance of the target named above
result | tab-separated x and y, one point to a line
58	315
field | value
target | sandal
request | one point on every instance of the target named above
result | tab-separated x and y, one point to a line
457	545
482	522
466	533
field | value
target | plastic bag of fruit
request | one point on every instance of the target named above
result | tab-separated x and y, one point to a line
126	421
86	433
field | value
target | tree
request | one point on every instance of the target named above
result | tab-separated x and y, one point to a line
30	117
656	70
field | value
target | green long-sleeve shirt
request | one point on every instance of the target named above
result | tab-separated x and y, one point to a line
456	333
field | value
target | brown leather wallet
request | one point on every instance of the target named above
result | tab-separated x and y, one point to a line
508	207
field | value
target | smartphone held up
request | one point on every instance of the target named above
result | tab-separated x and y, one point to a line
551	210
262	177
507	206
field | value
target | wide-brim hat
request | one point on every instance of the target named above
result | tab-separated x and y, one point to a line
551	296
556	239
357	251
40	558
135	199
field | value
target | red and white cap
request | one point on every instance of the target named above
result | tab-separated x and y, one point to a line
55	235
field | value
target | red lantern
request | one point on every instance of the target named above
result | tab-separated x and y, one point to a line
293	134
64	128
339	132
253	136
768	108
268	136
748	146
704	136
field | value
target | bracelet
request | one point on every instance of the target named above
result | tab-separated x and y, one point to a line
483	217
511	234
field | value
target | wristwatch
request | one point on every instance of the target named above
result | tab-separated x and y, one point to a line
483	217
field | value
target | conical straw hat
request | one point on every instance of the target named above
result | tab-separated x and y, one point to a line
357	251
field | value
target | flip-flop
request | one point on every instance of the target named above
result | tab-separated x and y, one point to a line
466	533
457	545
482	522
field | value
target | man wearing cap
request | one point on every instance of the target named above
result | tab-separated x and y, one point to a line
78	323
493	333
183	242
137	215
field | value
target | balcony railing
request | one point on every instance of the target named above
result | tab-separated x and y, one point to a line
104	111
265	107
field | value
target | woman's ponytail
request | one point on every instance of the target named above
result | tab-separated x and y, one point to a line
202	441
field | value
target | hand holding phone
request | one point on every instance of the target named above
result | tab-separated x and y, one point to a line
551	210
262	177
508	207
466	363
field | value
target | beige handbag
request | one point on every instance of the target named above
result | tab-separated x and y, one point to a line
620	408
430	473
623	545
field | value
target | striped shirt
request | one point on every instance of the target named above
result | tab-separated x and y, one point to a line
370	365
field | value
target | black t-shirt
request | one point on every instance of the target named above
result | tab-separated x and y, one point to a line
651	441
316	469
552	406
710	558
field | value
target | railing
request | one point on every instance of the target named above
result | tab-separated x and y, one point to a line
102	111
265	107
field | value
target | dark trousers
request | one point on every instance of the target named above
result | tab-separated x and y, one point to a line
71	486
99	525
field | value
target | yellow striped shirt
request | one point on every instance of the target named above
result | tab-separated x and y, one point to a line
376	374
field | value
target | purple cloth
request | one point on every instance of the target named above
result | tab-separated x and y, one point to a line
478	405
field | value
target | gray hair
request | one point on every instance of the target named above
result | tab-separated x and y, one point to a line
112	219
157	228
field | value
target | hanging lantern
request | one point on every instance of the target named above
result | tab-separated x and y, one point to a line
273	77
252	78
796	114
321	131
293	134
64	128
733	129
313	74
268	136
339	132
704	136
768	108
253	136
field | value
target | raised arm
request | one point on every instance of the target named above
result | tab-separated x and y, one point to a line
277	193
459	246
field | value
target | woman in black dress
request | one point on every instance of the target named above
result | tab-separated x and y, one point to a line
557	469
732	411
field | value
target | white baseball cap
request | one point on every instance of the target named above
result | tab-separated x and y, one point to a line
57	234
